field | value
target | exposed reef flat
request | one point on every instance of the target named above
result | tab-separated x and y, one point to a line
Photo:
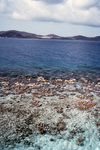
59	114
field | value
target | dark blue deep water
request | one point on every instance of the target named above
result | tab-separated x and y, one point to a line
48	57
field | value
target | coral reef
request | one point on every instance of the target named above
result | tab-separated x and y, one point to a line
79	141
52	128
84	105
41	79
80	96
36	103
97	123
59	109
34	106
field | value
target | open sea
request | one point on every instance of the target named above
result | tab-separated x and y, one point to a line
47	57
49	94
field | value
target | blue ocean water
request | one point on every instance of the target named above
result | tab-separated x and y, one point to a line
48	56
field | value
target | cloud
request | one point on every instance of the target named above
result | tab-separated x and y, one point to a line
51	1
84	4
85	12
4	9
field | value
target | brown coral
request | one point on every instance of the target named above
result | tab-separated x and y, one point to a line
65	116
58	80
41	79
89	96
36	103
71	81
53	128
41	130
79	141
80	96
79	138
97	123
59	109
37	94
84	105
84	80
61	126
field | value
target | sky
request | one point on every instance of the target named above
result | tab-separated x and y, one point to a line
61	17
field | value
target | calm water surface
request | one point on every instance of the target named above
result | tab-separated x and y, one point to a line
48	57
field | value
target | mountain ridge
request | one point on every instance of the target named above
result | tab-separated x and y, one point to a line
23	34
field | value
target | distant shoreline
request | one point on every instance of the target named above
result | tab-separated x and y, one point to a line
26	35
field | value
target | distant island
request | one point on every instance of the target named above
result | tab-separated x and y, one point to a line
21	34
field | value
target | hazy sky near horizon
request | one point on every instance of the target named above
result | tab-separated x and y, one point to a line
61	17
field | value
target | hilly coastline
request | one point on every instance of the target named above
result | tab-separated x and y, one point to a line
21	34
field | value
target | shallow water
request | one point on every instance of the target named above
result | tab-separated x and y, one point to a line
19	117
